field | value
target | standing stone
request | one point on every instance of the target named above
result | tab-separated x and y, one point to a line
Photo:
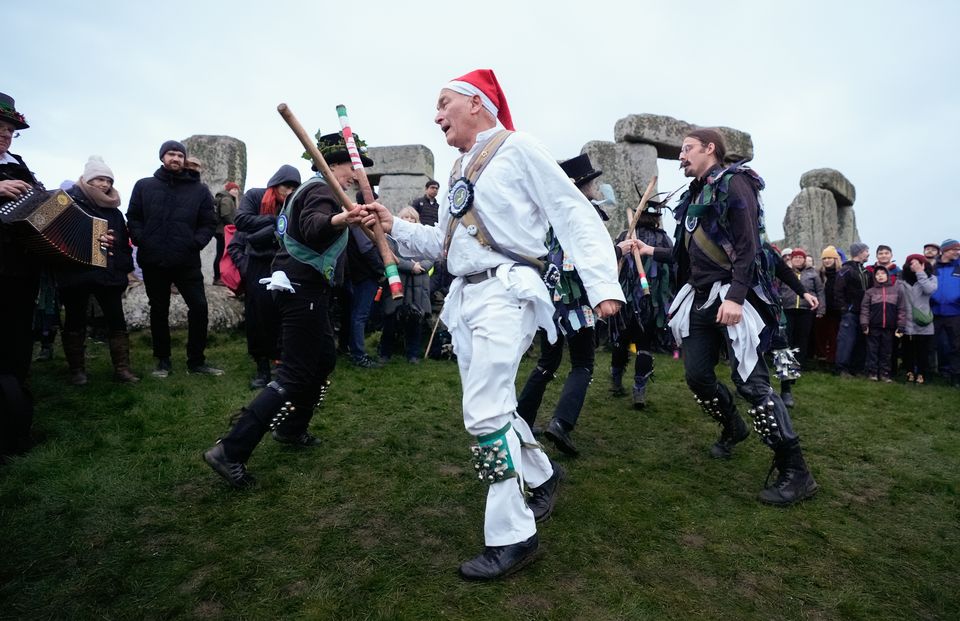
666	134
832	180
407	159
223	159
846	227
811	221
625	166
396	191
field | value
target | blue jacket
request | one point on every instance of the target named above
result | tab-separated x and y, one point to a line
945	301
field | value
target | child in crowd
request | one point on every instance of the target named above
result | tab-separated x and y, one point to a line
883	315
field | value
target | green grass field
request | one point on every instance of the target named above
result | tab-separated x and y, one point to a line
114	515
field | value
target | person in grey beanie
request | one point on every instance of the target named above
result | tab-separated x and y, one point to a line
171	219
852	282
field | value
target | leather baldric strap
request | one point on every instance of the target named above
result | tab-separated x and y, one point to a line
709	247
471	218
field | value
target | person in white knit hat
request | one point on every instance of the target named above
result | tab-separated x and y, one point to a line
95	193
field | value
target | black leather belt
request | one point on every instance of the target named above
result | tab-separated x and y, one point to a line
479	277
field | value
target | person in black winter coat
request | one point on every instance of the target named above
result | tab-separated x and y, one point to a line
256	221
94	192
171	219
853	280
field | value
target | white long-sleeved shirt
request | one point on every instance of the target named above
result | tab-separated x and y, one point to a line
519	196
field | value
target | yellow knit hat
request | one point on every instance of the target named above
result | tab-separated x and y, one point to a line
830	252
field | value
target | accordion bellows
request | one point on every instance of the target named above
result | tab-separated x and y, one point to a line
51	224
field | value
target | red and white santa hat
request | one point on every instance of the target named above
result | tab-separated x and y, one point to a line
484	83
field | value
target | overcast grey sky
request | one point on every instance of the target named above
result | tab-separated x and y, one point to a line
868	88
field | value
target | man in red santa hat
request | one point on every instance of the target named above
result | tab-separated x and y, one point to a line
506	190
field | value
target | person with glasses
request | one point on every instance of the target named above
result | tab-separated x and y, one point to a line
719	256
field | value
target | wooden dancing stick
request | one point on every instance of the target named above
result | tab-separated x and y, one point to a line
633	218
319	163
315	154
644	284
433	333
389	261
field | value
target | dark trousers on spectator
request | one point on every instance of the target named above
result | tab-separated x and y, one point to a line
412	326
361	302
262	319
219	253
948	329
574	390
309	355
825	336
916	353
799	327
75	302
189	282
879	352
850	344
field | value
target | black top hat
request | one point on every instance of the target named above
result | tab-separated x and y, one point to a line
580	169
8	112
333	148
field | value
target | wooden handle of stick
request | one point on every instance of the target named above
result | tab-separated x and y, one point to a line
379	238
634	218
315	154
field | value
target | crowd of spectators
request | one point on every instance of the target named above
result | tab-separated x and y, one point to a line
880	320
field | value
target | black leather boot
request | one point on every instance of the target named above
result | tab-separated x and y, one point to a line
498	561
723	410
558	434
794	481
544	496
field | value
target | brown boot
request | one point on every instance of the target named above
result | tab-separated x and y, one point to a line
73	351
119	342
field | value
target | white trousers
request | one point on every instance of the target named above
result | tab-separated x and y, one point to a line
492	333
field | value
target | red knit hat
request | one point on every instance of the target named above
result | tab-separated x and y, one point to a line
798	252
230	185
484	83
919	257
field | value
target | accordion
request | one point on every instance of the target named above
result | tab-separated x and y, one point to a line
52	225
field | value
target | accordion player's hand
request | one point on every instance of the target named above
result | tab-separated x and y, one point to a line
106	242
13	188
